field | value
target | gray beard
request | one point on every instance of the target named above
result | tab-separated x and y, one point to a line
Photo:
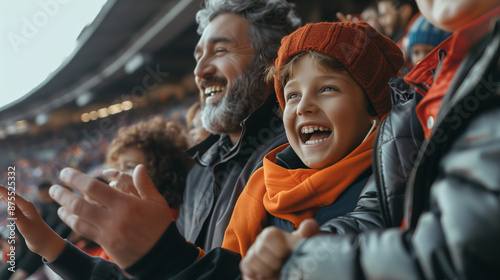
243	98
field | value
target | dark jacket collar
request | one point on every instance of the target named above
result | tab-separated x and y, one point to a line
470	83
257	128
289	159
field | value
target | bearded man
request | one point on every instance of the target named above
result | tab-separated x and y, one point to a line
396	16
238	40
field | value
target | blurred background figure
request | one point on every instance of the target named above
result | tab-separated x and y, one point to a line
195	131
423	38
369	15
160	147
395	19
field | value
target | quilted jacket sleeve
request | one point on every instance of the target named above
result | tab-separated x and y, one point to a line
365	216
380	204
456	237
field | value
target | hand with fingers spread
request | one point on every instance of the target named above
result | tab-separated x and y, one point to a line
126	226
272	247
40	238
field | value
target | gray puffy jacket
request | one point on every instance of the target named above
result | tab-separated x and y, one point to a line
452	194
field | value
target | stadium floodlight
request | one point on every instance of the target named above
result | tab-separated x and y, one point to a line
84	98
42	119
11	129
135	62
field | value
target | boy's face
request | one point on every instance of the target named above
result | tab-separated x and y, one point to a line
451	15
325	116
419	51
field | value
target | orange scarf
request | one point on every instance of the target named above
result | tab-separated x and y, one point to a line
290	194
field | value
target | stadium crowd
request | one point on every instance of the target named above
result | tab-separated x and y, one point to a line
82	145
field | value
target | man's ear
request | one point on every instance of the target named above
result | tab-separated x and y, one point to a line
405	12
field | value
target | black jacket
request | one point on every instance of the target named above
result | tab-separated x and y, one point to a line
221	173
212	188
452	207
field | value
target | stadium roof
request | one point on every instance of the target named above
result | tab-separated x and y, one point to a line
124	43
128	42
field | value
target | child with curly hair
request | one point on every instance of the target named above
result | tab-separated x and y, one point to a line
158	145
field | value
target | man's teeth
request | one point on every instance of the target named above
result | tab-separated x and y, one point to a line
213	90
310	142
311	129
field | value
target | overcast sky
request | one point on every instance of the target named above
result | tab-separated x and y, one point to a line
36	36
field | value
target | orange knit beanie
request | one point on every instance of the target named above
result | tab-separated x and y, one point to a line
370	58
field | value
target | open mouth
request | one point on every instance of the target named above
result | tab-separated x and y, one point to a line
314	134
214	90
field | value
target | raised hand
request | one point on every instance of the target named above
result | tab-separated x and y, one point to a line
39	237
272	247
125	225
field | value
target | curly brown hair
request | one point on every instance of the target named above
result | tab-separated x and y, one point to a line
163	145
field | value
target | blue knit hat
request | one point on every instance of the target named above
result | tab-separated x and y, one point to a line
421	31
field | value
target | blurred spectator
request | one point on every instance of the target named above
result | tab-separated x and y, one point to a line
424	37
369	15
160	147
395	19
195	131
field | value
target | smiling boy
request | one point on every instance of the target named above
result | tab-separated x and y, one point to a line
324	128
452	209
331	104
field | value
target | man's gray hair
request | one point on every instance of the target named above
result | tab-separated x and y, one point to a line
270	21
